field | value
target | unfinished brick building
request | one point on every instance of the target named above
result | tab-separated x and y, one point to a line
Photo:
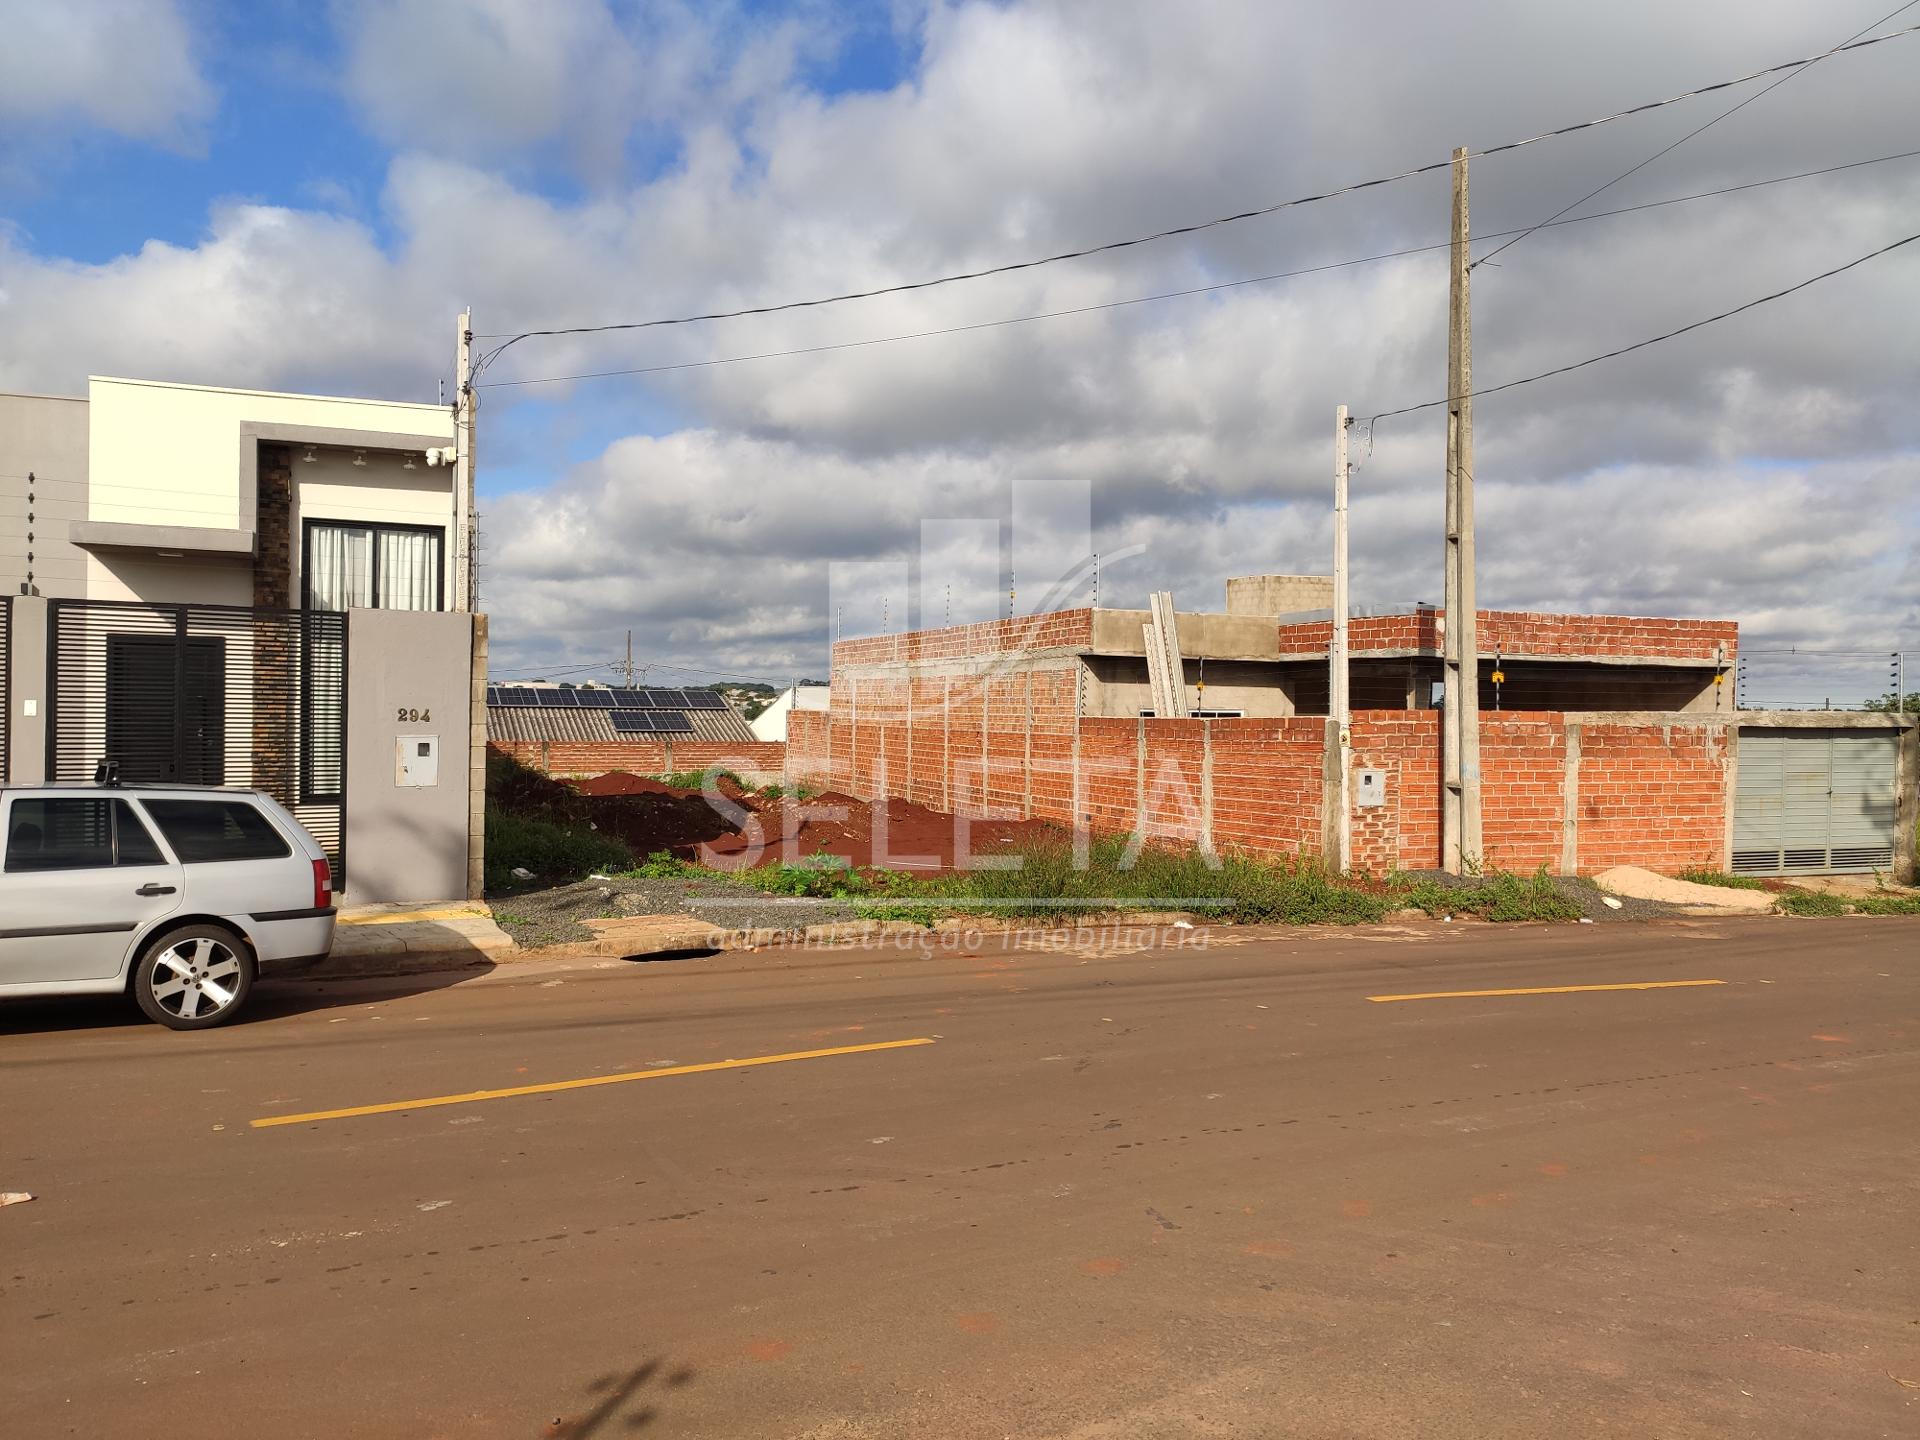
1606	740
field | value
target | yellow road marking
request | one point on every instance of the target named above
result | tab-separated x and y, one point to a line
552	1086
1548	990
409	917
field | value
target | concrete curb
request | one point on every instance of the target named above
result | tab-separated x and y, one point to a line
642	935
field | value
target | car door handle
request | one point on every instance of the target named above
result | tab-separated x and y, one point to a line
154	890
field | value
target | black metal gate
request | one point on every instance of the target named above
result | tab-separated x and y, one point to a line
204	695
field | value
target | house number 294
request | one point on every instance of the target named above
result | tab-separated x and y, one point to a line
412	717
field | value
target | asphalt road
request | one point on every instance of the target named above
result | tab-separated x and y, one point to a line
1161	1192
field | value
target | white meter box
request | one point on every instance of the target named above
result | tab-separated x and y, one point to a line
416	760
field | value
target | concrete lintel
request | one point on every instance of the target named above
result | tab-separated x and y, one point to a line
1641	662
1821	720
1202	635
188	539
275	432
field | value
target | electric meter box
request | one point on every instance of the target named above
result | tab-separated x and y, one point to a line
416	760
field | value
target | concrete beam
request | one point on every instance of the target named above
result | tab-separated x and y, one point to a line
187	539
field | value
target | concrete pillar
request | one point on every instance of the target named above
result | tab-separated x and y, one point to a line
1570	805
1026	766
1206	787
1906	825
27	697
477	762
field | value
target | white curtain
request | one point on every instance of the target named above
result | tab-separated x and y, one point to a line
340	568
409	570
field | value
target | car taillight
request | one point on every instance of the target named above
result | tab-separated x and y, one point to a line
322	885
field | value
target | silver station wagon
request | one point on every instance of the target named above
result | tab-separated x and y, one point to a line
177	895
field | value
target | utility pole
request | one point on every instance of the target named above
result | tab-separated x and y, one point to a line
630	659
466	590
1460	737
1340	706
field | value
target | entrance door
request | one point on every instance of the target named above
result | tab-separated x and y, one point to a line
1812	802
156	740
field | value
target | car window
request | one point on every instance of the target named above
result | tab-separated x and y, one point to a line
133	843
59	834
205	831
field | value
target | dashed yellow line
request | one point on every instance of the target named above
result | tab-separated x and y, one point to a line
1547	990
392	1107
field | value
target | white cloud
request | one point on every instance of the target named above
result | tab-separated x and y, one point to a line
121	65
1762	469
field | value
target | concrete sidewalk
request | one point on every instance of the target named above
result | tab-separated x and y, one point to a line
412	939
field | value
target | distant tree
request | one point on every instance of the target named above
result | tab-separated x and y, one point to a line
1885	704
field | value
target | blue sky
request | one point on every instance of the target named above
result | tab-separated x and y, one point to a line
302	195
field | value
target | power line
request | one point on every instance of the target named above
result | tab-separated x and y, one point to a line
1801	70
1180	294
1111	245
1653	340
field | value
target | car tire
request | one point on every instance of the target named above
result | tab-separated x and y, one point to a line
193	977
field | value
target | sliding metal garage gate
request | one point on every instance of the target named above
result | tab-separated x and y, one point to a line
204	695
1812	802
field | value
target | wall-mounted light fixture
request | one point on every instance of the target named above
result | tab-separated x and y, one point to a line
308	458
360	458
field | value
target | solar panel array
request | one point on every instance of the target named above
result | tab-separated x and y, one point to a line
553	697
651	722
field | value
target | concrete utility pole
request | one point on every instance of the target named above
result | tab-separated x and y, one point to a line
1340	705
466	589
1460	737
629	659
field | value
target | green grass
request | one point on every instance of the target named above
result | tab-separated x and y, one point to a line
699	779
1722	879
1500	896
1886	904
553	850
1812	902
1049	885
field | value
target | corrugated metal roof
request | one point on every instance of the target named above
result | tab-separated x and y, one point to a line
513	722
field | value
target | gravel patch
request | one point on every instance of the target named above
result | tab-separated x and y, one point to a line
552	917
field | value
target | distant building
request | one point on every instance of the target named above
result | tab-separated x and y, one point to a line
771	723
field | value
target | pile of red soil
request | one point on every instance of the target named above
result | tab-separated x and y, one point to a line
619	782
749	830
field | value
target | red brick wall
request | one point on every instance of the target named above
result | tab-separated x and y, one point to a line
809	751
1648	795
1523	770
760	761
958	642
1652	795
1268	782
1404	832
1525	633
